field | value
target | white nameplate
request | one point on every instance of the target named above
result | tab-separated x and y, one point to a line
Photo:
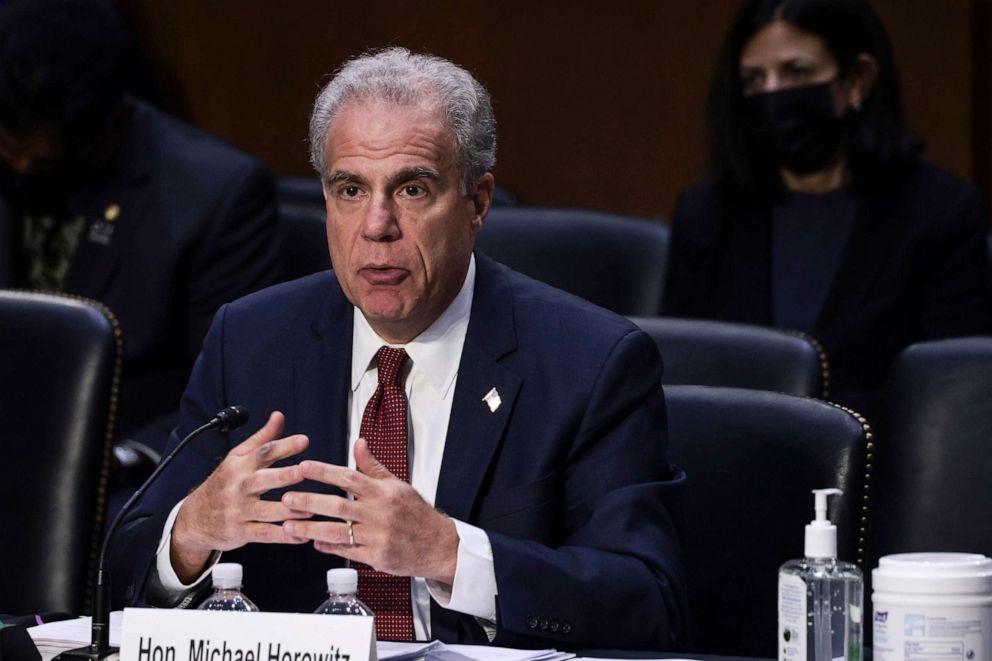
150	634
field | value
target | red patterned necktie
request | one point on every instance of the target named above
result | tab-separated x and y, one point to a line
384	428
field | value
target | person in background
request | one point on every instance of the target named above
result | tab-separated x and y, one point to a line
104	197
819	215
505	443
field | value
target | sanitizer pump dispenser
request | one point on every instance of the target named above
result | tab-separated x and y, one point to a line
820	597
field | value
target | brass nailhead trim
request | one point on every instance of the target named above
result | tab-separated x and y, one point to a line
824	362
866	487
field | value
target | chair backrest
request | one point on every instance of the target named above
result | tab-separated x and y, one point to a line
720	353
300	193
752	458
617	262
933	487
303	240
301	226
61	360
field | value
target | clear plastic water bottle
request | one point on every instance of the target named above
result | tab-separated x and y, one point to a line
342	594
227	594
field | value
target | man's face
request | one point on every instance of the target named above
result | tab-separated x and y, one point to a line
36	152
32	174
39	172
399	228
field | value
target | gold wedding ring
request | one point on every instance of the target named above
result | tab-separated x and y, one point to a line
351	533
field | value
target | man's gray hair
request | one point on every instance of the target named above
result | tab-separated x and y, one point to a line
400	77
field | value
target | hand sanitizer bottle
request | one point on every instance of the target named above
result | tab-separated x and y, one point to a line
820	597
227	594
342	594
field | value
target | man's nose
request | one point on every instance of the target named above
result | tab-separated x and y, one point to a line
380	220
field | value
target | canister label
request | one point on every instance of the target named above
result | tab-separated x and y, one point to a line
908	633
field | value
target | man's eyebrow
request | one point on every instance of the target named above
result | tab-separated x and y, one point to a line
415	173
344	175
403	175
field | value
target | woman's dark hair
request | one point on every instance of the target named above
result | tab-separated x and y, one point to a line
63	64
879	145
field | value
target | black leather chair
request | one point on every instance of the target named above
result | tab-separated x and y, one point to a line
718	353
295	192
752	458
934	480
61	361
304	241
617	262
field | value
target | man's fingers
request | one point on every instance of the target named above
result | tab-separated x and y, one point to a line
366	462
323	504
322	531
270	533
349	480
267	479
268	511
273	451
270	431
346	551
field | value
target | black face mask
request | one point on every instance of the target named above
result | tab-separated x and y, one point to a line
49	191
36	193
797	128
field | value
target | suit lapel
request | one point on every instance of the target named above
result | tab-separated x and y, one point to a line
112	219
319	409
476	426
114	213
745	269
871	236
321	376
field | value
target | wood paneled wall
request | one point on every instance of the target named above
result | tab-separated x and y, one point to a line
599	104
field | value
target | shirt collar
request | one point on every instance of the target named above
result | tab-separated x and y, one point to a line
436	351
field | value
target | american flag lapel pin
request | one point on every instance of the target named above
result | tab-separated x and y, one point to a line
493	400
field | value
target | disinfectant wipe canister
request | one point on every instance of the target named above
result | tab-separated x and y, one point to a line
932	606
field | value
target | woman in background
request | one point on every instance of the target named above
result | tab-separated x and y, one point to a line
819	215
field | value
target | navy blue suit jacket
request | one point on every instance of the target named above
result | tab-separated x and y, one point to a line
196	228
568	476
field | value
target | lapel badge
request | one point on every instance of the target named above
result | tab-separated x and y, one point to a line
493	400
111	213
101	232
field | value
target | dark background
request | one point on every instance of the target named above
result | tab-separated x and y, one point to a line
599	104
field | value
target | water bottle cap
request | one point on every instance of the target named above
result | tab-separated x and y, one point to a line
342	580
227	575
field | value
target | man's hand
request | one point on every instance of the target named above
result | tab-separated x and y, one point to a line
395	530
227	512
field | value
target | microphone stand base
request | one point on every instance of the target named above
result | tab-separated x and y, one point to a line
90	653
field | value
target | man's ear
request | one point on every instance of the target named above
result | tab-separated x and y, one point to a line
861	79
482	198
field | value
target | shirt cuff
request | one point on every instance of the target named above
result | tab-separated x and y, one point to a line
474	589
167	578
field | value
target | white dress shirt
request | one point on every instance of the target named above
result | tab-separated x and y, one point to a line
430	375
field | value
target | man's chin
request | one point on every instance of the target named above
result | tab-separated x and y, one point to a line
392	322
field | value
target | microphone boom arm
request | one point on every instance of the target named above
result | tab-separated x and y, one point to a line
226	420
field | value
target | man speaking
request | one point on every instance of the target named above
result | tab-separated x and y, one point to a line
487	451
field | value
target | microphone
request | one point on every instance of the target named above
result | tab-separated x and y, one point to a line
226	420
